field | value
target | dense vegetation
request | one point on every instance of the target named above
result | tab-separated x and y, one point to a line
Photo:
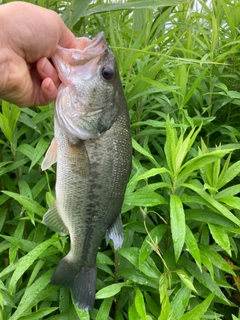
180	260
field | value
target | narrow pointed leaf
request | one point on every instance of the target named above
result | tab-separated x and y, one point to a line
192	246
139	304
178	226
186	280
110	291
26	261
28	203
197	312
221	237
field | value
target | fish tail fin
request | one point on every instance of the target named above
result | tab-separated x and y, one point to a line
82	282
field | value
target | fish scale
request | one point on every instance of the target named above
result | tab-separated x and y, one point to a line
92	148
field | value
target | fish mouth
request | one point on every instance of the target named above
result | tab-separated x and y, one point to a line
86	43
86	49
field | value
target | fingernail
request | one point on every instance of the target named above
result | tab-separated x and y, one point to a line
50	86
46	67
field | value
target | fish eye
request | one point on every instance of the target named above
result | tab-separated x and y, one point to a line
107	72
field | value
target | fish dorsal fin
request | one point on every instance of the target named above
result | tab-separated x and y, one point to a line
52	220
51	155
115	232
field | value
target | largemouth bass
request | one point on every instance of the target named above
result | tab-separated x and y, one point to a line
92	148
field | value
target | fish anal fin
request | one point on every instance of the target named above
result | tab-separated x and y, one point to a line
115	232
82	282
51	155
52	220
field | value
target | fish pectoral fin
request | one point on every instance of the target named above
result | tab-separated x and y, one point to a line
51	155
115	232
52	220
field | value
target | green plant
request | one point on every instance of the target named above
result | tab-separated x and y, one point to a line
181	214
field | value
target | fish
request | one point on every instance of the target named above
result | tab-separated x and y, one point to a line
93	151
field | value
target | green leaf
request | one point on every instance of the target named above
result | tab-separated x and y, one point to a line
230	174
216	205
28	203
27	150
201	161
73	14
143	198
141	150
11	113
164	298
40	149
192	246
26	261
232	202
81	314
228	192
152	306
104	310
39	186
208	264
197	312
4	294
221	237
182	148
4	125
132	5
132	313
193	87
110	290
137	277
204	278
139	304
216	258
170	145
11	167
32	296
103	258
24	188
147	267
208	217
180	302
23	244
27	121
178	227
150	173
233	94
38	314
185	279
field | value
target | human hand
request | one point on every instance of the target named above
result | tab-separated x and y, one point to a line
29	36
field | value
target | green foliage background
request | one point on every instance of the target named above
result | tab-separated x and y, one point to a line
180	68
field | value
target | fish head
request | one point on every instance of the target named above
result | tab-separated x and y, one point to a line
91	89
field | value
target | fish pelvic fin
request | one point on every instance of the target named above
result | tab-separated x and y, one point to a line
115	232
81	281
53	221
51	156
